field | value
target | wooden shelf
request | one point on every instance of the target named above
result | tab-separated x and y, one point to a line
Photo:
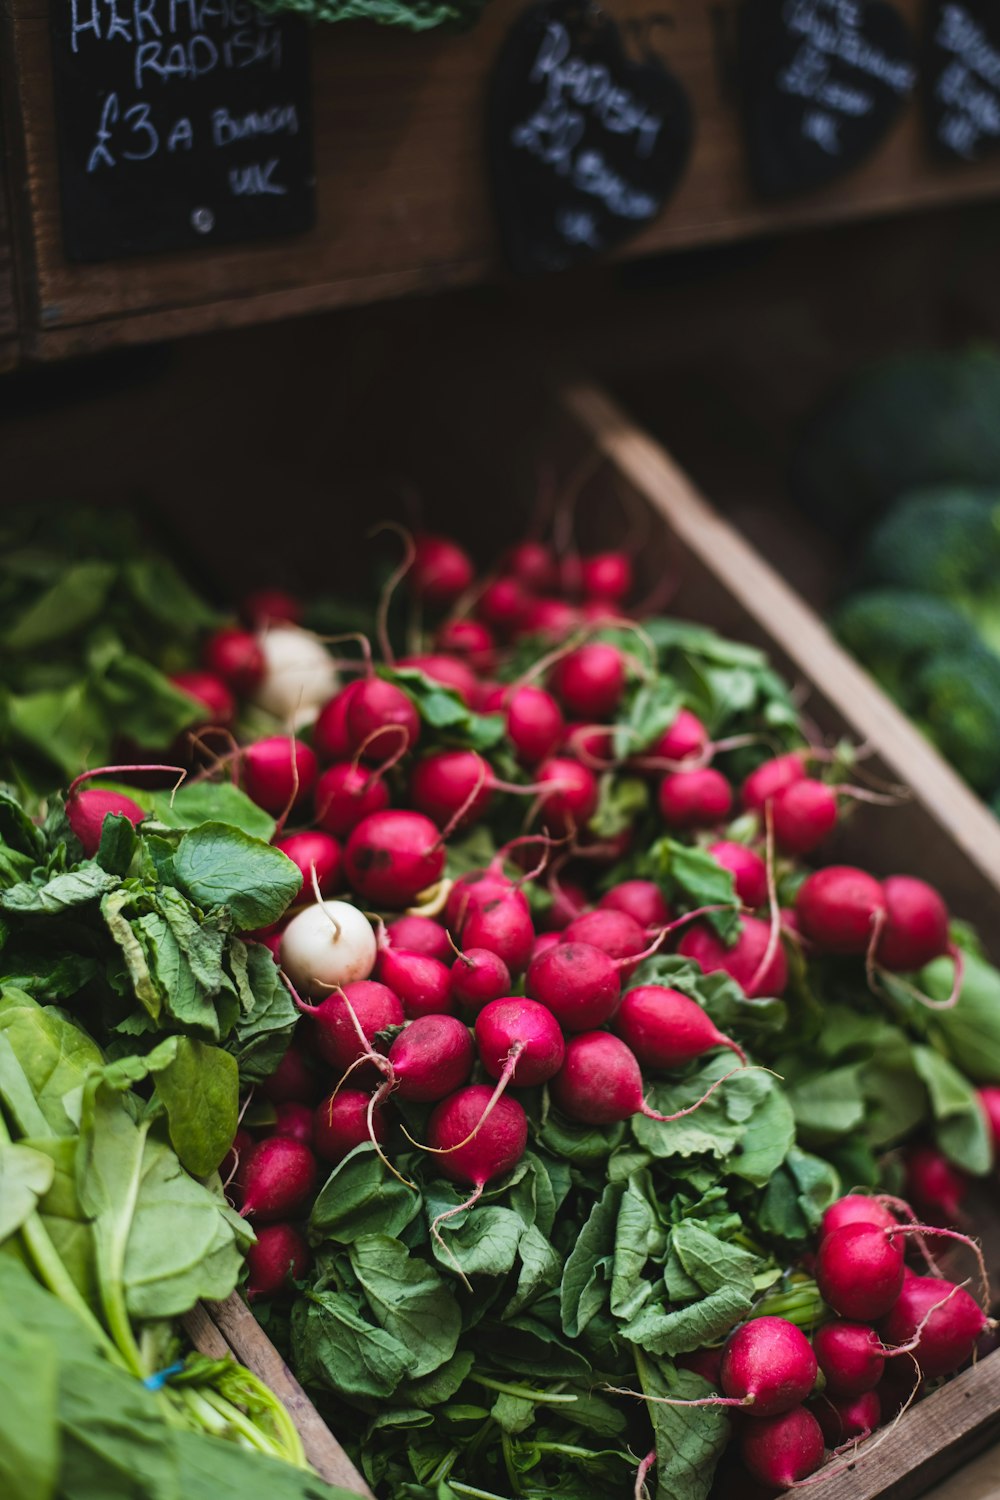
403	202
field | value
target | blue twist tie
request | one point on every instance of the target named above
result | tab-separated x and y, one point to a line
158	1381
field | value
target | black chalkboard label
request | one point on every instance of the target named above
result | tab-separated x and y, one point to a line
585	142
822	82
962	83
180	123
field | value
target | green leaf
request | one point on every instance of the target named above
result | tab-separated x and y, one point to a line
142	703
64	726
160	591
697	878
961	1129
118	844
29	1434
829	1103
408	1299
200	1091
53	1055
689	1440
361	1197
588	1271
485	1244
442	709
218	865
970	1031
77	887
62	610
261	1036
210	802
25	1177
334	1346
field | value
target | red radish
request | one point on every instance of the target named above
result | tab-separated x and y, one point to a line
856	1208
704	1362
570	800
519	1041
768	1366
685	739
502	604
345	794
441	571
210	692
390	857
236	657
271	607
292	1080
606	576
916	925
294	1120
859	1271
502	923
535	725
375	1007
341	1123
803	815
315	852
374	706
422	984
948	1319
578	983
473	890
449	782
851	1357
420	935
748	870
278	773
590	681
837	908
591	743
780	1451
666	1029
471	640
934	1185
569	901
330	735
770	779
614	932
279	1178
543	942
279	1255
87	810
478	976
271	941
327	944
534	565
600	1082
989	1098
449	671
641	900
896	1389
551	618
493	1150
430	1059
694	799
741	962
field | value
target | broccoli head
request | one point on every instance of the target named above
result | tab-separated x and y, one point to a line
941	540
893	632
959	708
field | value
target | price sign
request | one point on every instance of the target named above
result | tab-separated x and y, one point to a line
963	78
586	141
822	81
180	123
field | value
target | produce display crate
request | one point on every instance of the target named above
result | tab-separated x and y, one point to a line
941	833
403	199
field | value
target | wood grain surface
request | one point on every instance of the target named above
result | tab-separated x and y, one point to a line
8	305
403	201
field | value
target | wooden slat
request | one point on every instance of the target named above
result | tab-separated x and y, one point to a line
252	1346
402	192
932	1439
946	833
204	1334
8	304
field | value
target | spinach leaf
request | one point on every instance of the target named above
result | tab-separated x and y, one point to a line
218	865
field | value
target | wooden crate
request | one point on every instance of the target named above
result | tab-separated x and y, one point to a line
8	305
402	195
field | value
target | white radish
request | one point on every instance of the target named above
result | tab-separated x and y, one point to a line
330	943
299	675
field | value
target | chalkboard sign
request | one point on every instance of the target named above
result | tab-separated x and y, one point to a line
822	82
586	143
180	123
962	85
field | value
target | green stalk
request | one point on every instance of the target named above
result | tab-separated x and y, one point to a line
467	1489
522	1392
507	1449
445	1467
